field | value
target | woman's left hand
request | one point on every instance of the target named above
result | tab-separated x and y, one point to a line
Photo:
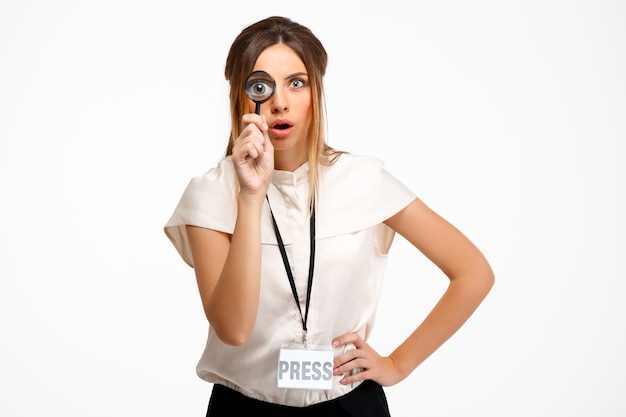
372	366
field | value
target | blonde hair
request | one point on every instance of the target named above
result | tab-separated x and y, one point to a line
242	56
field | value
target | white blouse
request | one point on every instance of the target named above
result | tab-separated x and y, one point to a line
356	194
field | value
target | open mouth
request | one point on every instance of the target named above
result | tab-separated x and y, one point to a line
281	124
281	128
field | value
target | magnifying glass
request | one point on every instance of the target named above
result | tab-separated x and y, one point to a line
259	87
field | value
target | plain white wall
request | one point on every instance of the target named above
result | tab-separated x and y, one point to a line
508	118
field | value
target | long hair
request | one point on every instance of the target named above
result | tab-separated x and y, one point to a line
242	56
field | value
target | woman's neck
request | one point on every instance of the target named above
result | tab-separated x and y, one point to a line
287	161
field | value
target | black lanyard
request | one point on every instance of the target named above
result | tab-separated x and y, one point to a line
292	281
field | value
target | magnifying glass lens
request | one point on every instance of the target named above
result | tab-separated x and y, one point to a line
259	86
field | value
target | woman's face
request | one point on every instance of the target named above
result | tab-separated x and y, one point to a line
288	111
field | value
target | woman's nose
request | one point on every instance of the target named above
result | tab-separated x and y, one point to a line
278	103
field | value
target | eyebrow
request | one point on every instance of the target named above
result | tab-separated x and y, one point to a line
297	74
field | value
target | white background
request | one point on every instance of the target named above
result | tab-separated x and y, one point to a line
507	117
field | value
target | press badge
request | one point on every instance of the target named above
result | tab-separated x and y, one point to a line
305	367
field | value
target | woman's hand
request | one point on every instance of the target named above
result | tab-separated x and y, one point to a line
253	157
366	361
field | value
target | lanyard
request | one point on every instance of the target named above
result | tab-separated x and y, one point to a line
292	281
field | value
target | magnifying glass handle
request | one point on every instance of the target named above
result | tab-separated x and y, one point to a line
257	109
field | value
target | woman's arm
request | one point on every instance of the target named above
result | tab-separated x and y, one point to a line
228	267
471	279
228	270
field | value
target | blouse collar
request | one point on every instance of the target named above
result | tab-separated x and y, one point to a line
291	178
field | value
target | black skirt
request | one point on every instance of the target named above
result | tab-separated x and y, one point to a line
367	400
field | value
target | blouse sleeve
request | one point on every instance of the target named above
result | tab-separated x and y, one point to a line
208	201
357	193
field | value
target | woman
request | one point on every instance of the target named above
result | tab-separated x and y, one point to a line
288	239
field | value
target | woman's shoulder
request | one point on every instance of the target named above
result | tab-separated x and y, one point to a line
356	160
222	172
354	163
213	190
208	201
357	192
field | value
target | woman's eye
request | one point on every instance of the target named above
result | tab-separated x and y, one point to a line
260	88
297	83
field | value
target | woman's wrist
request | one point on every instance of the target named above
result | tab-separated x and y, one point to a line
251	202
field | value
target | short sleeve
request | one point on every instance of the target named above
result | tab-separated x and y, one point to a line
357	193
208	201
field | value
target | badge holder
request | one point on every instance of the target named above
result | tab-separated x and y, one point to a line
305	366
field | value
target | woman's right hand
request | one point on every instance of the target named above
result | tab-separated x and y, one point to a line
253	157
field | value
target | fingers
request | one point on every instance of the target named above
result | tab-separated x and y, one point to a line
250	147
253	140
253	157
354	363
358	369
363	362
346	339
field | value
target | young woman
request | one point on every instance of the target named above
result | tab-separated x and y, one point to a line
288	239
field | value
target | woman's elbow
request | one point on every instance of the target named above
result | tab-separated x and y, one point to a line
233	338
477	279
233	334
486	278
